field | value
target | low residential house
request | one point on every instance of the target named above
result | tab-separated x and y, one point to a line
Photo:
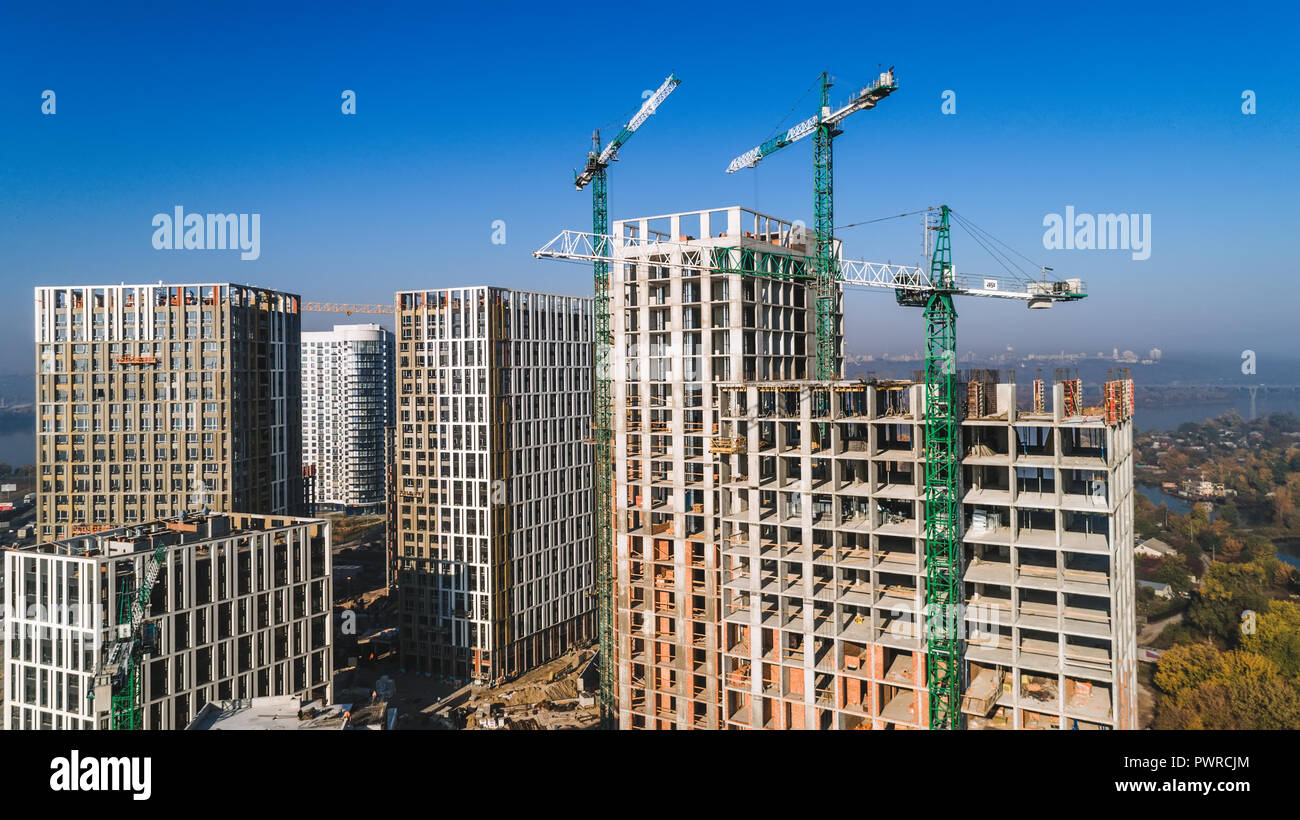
1154	548
1162	591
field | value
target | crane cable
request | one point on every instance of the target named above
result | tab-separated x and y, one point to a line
786	118
990	243
972	228
883	218
997	255
775	130
989	240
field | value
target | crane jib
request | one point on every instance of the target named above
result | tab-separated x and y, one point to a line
647	108
866	98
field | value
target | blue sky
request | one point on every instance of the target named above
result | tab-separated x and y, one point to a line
466	115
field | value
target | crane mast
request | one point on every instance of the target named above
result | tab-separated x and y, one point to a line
943	571
594	174
603	457
827	287
118	680
824	126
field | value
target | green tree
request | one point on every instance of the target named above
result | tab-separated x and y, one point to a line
1147	517
1226	591
1258	548
1186	666
1172	570
1277	636
1242	691
1281	469
1283	508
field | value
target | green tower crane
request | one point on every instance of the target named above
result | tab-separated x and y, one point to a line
118	685
931	290
824	126
943	564
943	618
593	174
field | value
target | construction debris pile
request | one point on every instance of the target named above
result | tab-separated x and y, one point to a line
553	696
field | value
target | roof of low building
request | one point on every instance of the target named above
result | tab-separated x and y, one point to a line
1159	546
278	712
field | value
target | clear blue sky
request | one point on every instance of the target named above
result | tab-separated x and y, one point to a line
471	114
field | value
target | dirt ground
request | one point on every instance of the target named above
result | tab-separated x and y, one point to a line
1146	687
547	695
427	702
1150	631
545	698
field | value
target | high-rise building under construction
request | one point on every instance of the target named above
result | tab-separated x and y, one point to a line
492	480
152	399
680	326
770	543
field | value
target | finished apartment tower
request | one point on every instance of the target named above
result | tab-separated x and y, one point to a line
147	394
241	608
770	557
493	480
347	403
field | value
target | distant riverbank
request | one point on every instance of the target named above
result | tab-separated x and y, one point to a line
1169	417
1158	496
18	443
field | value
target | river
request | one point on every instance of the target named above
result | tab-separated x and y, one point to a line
1158	496
1288	550
18	447
1168	417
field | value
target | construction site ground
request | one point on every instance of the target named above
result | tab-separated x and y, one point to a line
416	697
1146	695
544	698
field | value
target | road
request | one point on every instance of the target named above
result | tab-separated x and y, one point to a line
1152	630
